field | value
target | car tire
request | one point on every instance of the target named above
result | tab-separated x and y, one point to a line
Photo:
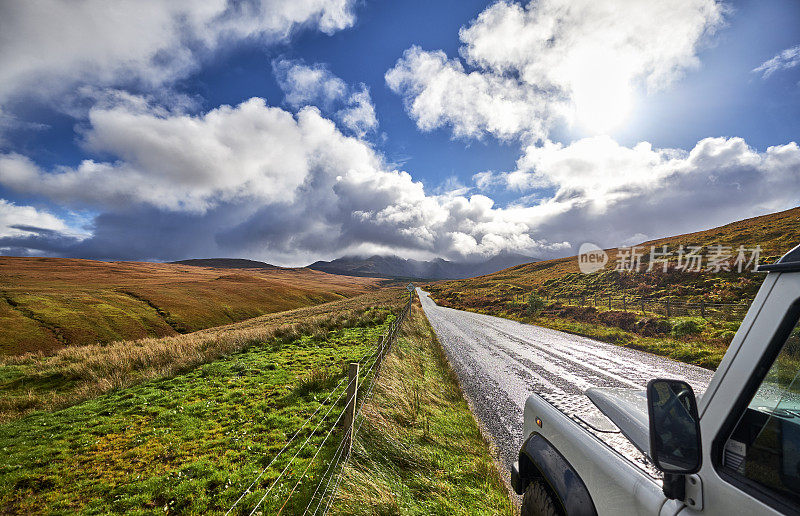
537	501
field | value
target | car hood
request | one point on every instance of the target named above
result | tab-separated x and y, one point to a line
627	409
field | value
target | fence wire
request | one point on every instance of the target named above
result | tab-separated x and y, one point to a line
666	306
365	398
374	358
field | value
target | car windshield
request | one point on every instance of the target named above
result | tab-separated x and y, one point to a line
765	447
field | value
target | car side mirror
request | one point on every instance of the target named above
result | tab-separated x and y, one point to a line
675	446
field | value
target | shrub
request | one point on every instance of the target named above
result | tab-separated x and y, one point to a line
577	313
727	336
688	326
618	318
317	380
652	326
535	304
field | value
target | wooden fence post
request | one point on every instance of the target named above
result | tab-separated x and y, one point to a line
669	314
350	416
702	309
642	301
595	299
609	301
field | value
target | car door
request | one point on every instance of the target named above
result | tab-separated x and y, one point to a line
751	423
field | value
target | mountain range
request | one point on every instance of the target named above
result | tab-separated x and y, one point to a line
227	263
396	267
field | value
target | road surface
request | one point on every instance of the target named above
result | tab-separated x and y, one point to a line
501	362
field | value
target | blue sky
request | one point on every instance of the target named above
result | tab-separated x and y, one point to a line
449	178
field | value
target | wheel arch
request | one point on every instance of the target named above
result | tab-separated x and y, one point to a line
540	459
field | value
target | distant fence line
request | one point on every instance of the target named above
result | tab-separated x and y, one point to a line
665	306
323	497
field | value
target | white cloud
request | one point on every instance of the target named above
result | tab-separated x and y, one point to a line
784	60
18	220
257	180
597	168
264	182
530	63
564	44
315	85
48	46
526	68
485	180
181	162
438	92
608	193
359	116
11	122
305	85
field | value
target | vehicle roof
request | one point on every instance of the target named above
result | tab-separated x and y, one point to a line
789	262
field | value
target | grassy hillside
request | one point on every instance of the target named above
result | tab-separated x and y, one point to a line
506	293
73	374
775	233
49	303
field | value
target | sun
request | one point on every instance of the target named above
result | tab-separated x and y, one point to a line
602	100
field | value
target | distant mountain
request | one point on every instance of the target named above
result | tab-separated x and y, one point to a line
227	263
396	267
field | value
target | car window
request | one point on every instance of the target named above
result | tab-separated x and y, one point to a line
765	444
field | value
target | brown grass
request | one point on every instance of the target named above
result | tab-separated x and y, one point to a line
72	374
50	303
777	233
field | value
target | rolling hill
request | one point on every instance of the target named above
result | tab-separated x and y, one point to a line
396	267
775	233
50	303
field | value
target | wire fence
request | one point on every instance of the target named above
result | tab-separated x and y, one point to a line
362	374
646	305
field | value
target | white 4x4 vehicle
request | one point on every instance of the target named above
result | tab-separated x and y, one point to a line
733	450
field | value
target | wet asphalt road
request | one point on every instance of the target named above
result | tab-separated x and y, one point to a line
501	362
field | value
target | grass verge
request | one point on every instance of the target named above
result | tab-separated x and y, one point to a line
419	450
695	352
703	350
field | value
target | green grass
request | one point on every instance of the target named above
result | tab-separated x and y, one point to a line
24	333
191	443
420	450
187	444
